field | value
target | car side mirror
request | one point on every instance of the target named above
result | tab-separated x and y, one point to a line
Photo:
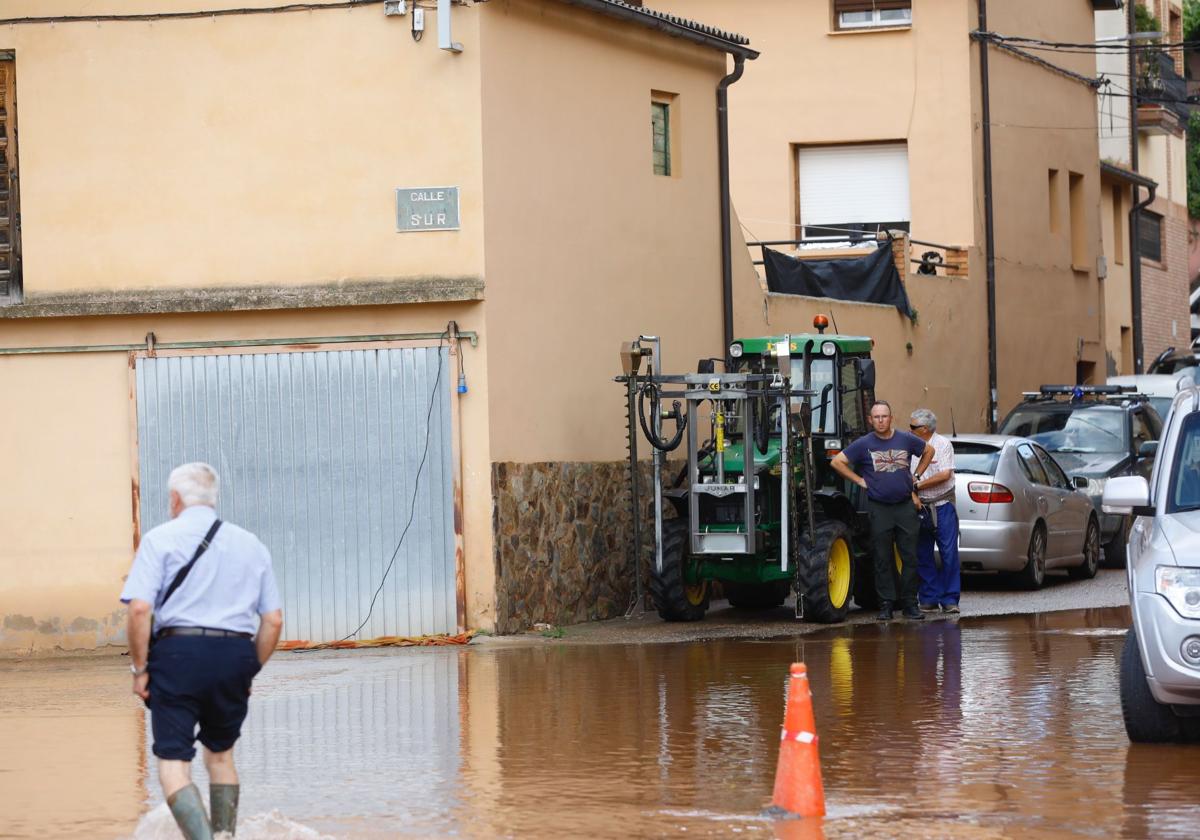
866	373
1127	494
1080	482
1148	449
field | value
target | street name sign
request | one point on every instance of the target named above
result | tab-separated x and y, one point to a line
426	208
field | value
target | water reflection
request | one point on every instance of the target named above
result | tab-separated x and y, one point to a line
1004	727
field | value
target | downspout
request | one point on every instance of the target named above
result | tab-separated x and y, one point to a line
988	226
739	65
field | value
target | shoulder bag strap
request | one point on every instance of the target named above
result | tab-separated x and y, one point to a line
183	573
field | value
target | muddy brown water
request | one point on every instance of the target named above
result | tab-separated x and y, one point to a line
1000	727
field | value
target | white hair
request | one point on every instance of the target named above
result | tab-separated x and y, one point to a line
925	417
196	483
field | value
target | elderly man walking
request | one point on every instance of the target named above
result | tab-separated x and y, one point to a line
882	458
217	619
935	488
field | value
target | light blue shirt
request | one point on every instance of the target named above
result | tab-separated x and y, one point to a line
230	586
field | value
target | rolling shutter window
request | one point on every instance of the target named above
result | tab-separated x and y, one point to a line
855	187
10	246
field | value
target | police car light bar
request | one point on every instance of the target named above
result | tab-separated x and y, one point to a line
1087	389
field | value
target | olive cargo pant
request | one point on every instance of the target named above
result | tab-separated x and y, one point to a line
896	524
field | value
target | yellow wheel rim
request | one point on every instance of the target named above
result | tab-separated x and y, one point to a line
896	554
839	572
695	592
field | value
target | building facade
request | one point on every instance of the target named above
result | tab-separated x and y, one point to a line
893	136
377	276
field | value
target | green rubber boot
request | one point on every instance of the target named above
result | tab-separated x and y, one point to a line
223	804
188	809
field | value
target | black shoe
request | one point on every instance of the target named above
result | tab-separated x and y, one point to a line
885	612
913	613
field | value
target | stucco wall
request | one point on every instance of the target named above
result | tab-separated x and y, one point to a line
241	150
812	85
68	479
585	246
1118	303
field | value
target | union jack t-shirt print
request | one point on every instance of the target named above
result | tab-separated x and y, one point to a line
885	464
890	460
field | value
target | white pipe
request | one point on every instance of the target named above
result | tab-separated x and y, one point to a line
445	39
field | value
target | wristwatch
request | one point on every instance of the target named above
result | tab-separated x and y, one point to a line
136	671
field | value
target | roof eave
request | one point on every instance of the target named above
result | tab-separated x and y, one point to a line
676	27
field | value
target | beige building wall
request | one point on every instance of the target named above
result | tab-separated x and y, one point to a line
251	156
921	85
585	248
70	480
1115	200
1047	206
187	154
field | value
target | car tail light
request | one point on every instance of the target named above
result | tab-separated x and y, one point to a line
986	493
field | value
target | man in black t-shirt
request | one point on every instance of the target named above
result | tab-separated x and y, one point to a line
882	458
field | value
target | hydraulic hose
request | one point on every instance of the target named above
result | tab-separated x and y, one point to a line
656	402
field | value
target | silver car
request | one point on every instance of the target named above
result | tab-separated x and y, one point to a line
1019	512
1160	665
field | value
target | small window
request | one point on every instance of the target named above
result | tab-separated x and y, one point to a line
10	227
1118	222
660	129
871	14
1080	257
1150	236
1055	194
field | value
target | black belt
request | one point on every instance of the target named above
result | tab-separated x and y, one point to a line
202	631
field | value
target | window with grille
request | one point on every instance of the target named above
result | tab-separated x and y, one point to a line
868	14
10	242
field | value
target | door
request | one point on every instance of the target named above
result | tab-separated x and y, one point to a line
339	460
1044	500
1069	520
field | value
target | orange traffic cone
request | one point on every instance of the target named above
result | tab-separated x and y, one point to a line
798	788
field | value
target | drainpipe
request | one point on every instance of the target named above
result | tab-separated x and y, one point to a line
989	229
739	65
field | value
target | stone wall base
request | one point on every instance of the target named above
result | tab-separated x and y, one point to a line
563	541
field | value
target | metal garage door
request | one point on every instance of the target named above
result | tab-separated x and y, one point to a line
319	454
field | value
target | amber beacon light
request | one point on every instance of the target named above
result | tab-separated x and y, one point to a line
821	323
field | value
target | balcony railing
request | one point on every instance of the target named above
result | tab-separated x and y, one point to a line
1162	92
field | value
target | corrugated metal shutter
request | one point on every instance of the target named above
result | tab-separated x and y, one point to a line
318	454
853	184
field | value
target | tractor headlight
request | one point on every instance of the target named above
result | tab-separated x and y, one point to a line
828	349
735	351
1180	586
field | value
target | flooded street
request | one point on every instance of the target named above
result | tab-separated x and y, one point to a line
991	727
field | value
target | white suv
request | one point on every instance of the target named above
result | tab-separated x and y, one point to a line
1160	665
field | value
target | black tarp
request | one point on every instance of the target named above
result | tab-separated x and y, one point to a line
869	279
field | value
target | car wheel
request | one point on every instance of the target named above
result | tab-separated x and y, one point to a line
1116	549
1091	553
1146	720
1034	573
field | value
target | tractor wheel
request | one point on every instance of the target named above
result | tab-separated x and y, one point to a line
674	598
756	596
825	577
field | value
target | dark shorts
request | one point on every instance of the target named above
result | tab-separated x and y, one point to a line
199	680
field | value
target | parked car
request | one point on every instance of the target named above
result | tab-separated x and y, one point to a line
1095	431
1184	363
1160	665
1159	388
1019	513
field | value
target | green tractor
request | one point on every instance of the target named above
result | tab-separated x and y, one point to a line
757	506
